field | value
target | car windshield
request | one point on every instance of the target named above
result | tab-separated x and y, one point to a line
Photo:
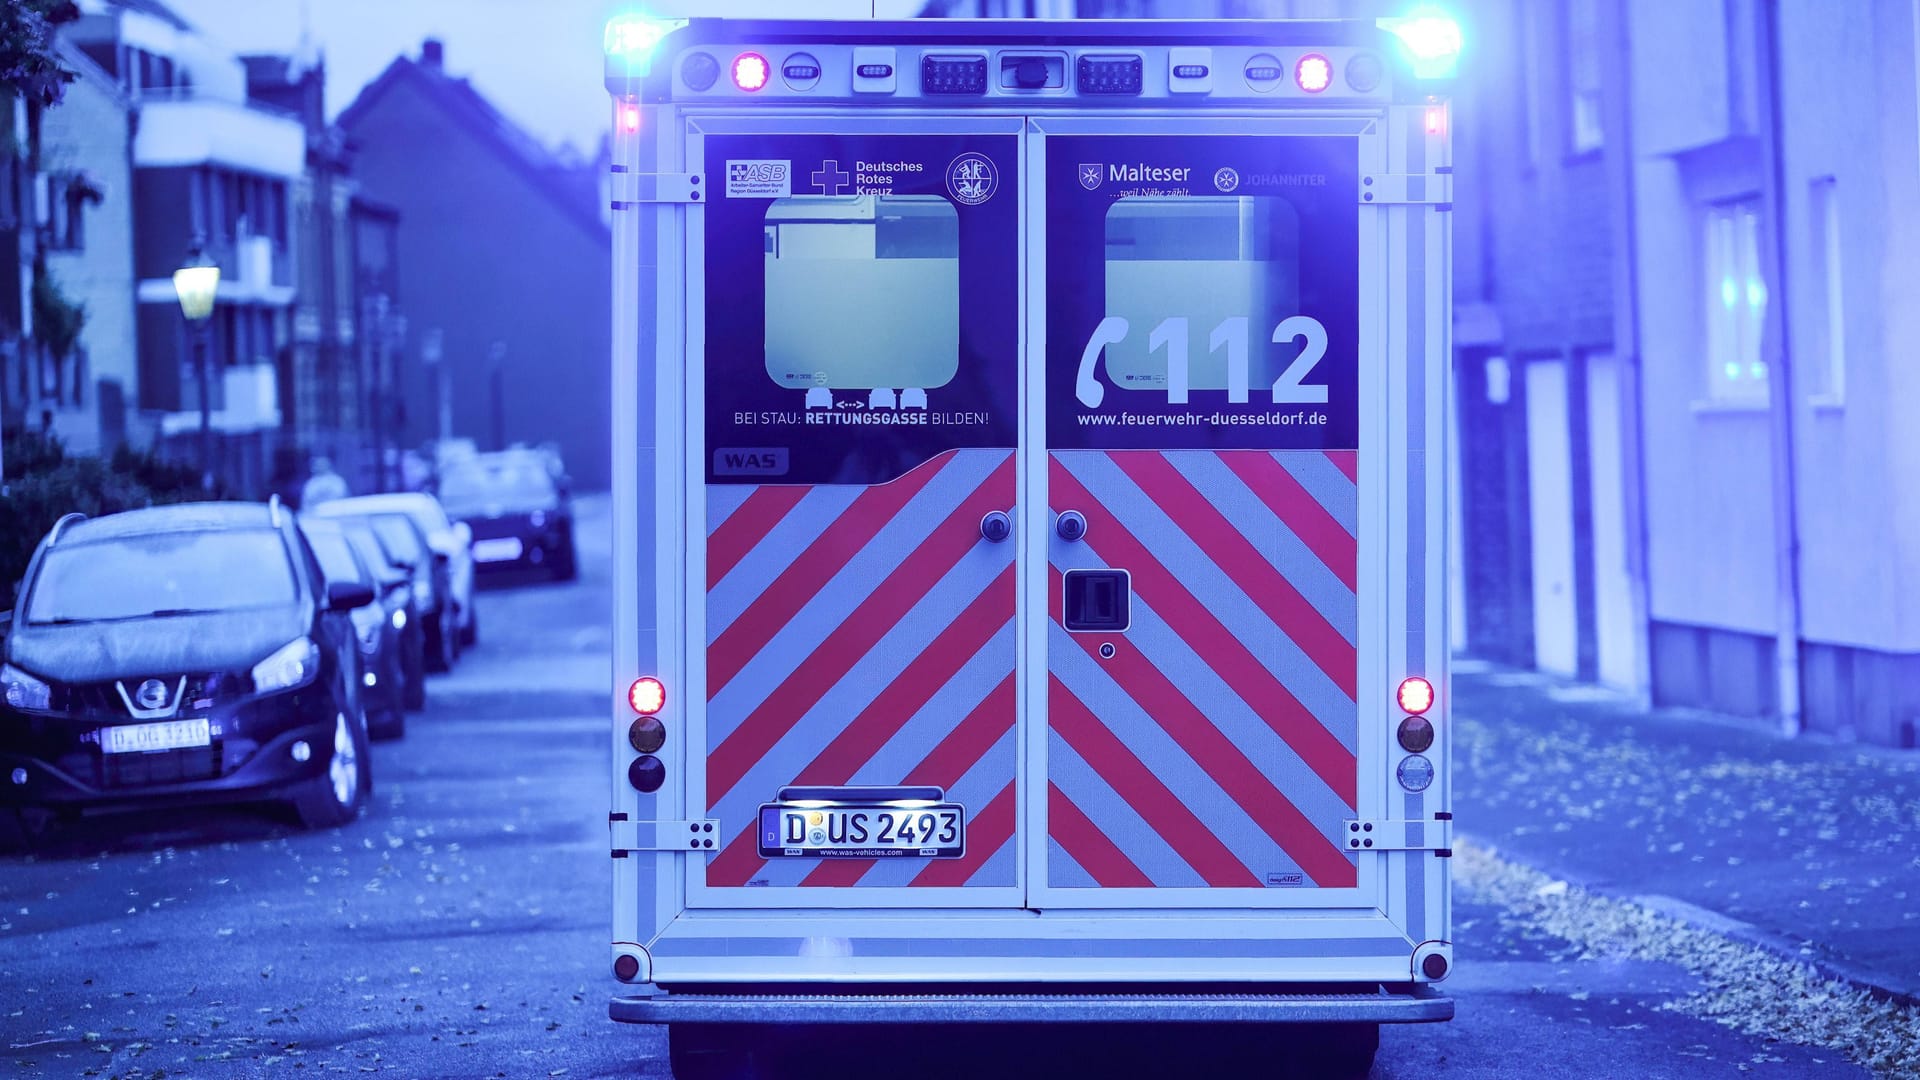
473	486
336	558
160	574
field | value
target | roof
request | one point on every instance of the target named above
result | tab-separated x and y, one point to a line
182	517
573	189
156	9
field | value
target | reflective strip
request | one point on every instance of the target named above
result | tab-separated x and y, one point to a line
1127	948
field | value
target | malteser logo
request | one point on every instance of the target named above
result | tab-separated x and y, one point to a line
1090	176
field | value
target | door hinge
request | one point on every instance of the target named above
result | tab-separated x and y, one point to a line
629	189
1407	189
700	835
1364	835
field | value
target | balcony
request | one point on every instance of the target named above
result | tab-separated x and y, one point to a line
180	129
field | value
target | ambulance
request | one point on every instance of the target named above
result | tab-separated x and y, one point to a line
1029	509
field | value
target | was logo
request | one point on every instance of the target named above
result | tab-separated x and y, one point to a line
1090	176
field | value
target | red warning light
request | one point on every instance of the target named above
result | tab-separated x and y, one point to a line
647	695
750	71
1314	73
1416	695
1436	119
630	118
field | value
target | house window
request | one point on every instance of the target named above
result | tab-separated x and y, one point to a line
1584	131
1828	377
1736	302
68	194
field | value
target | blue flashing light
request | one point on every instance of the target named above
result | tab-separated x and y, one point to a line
1432	41
632	37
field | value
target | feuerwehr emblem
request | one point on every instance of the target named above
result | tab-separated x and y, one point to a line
972	179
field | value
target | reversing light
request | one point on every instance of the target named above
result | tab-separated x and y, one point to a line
647	695
1432	41
1415	695
750	71
1313	73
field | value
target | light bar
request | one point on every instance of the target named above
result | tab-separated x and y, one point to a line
1432	41
635	35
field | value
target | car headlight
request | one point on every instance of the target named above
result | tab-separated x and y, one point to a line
399	618
23	691
293	664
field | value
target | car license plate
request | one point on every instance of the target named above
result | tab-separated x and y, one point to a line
865	831
501	549
166	735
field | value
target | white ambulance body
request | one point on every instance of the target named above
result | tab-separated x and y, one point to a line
1029	464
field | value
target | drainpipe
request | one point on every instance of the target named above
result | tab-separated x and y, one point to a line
1620	158
1777	350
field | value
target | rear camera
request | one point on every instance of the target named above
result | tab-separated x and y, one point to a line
646	774
700	71
647	734
1416	734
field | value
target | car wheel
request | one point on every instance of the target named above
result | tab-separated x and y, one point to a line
337	794
439	645
391	724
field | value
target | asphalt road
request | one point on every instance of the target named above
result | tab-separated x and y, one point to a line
460	927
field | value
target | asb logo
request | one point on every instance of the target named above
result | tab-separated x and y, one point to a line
1090	176
971	178
759	178
1226	179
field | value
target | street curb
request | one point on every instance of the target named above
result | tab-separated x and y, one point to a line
1714	922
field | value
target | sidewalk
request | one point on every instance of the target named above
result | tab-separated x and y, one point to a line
1807	846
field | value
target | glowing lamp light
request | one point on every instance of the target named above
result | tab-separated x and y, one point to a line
630	123
1313	73
196	283
750	71
1415	695
647	695
633	35
1436	119
1432	41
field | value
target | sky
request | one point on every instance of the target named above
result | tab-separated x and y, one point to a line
538	61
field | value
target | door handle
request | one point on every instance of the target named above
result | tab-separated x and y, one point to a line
996	526
1071	525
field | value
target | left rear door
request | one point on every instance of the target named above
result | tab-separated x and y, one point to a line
854	357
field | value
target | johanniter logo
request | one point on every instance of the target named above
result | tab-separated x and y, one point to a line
971	178
1090	176
1226	179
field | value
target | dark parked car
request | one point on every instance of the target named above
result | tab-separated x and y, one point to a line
183	654
395	583
405	546
518	510
378	627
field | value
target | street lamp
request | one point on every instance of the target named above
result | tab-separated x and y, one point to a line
196	282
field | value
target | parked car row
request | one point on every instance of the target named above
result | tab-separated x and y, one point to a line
225	652
517	509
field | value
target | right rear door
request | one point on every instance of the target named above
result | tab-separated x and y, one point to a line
1205	295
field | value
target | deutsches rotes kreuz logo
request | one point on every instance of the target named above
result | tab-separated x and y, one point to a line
972	179
1226	179
1090	176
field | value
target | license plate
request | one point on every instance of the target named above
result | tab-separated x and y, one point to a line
166	735
502	549
936	831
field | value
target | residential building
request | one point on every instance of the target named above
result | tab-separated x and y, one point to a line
83	214
508	262
210	169
1680	248
374	230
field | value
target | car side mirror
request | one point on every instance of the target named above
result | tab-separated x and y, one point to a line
347	595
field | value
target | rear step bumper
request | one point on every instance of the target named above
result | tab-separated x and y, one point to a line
1410	1004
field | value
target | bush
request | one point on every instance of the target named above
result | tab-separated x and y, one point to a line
43	485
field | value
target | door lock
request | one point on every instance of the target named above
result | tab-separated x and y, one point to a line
1071	525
